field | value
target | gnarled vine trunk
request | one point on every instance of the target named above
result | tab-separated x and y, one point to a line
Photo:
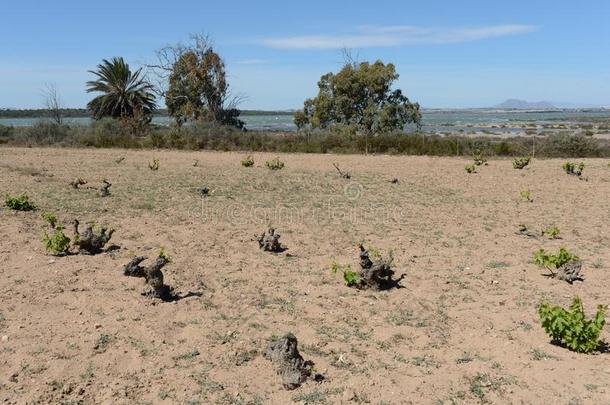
269	241
376	274
288	362
90	242
152	274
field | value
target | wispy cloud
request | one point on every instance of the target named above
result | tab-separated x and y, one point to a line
252	62
399	35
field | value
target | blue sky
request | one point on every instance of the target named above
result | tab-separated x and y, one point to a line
448	53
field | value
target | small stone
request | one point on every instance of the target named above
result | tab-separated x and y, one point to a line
5	338
98	325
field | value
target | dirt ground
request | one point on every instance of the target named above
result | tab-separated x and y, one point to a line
462	329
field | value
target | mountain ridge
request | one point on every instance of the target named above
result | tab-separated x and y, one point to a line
517	104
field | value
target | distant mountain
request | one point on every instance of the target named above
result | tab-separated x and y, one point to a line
515	104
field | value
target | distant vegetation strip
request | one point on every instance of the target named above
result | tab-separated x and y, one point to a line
108	133
81	112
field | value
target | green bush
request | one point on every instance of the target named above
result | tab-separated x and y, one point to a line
571	328
105	133
6	133
164	255
19	203
553	261
45	133
478	158
49	218
274	164
248	161
470	168
526	195
552	232
520	163
350	277
58	243
573	169
110	133
566	145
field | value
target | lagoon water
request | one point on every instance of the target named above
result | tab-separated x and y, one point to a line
505	122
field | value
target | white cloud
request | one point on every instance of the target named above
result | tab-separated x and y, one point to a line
371	36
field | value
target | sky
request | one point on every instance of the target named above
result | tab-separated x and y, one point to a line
449	54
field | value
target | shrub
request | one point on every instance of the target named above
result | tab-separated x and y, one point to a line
478	158
274	164
108	132
248	161
163	254
470	168
551	261
49	218
552	232
562	266
6	133
567	145
58	243
571	328
19	203
573	169
154	165
350	277
46	133
105	133
526	195
520	163
375	271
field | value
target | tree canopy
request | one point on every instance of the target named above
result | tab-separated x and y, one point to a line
125	94
196	83
360	96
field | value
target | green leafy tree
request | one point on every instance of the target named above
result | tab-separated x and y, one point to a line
197	87
125	94
360	98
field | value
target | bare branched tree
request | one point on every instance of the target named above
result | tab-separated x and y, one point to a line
52	103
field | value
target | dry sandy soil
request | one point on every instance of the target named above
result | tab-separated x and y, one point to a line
463	329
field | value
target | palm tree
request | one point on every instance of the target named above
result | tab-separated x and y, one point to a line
125	94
